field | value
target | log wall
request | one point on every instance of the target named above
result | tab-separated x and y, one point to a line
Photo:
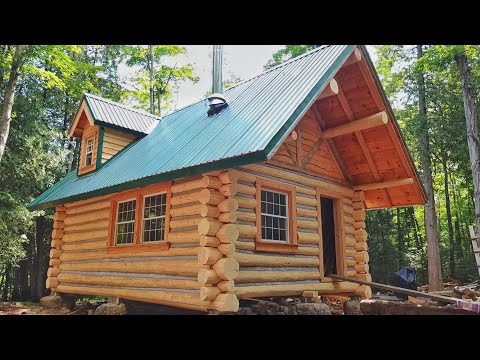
113	142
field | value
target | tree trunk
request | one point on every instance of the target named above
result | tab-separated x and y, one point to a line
472	127
449	218
7	283
431	230
400	239
459	238
9	97
152	99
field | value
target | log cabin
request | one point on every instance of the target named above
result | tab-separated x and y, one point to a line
259	191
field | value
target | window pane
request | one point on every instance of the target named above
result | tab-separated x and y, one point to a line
274	216
154	217
125	228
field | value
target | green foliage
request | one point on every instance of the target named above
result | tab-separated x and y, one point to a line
287	53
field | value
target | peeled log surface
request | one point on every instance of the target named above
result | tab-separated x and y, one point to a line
228	233
364	277
89	217
227	249
362	268
209	241
228	205
60	208
119	281
361	246
212	182
54	262
228	177
82	203
102	254
89	245
306	201
55	253
89	208
308	238
210	197
176	223
362	257
57	243
195	209
228	189
206	181
359	225
208	255
358	205
209	292
360	235
365	292
226	285
246	203
223	302
246	231
349	230
243	176
245	189
358	196
229	217
186	198
347	209
246	216
350	253
359	215
184	237
52	282
166	267
294	289
53	271
271	260
93	225
85	235
306	213
59	216
58	225
209	226
368	122
208	276
304	224
227	268
351	273
350	241
57	233
273	276
330	90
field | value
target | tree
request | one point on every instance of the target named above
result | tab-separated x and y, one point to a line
287	53
9	96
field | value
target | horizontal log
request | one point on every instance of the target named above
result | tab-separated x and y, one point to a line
209	241
359	225
58	225
208	276
228	177
349	230
246	216
359	215
209	292
228	217
358	196
244	176
350	241
308	238
90	245
119	281
384	184
362	268
53	271
184	237
361	246
358	205
209	255
275	276
306	201
177	223
350	253
271	260
361	257
88	217
196	183
227	249
208	226
60	208
223	302
306	212
57	244
59	216
210	197
102	254
93	225
89	208
54	262
51	283
245	189
57	234
246	231
305	224
348	220
228	205
368	122
228	233
166	267
227	268
55	253
246	203
364	292
87	201
347	209
191	196
226	285
194	209
360	235
294	289
85	235
214	173
228	189
310	294
350	262
351	273
364	277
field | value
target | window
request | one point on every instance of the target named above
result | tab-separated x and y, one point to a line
276	217
154	209
140	219
89	152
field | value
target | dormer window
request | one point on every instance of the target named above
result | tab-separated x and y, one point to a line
89	152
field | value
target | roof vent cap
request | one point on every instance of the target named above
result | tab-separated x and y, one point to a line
217	103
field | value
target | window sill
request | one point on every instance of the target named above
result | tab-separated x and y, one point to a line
276	247
138	248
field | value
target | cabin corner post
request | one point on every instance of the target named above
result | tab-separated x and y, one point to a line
217	236
56	250
360	253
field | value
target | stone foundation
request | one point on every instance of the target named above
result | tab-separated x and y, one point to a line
283	306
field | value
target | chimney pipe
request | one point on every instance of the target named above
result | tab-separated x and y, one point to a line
217	100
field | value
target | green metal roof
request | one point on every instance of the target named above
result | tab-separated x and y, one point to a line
111	114
262	111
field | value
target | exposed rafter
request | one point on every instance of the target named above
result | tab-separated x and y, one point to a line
384	184
355	57
313	150
299	146
330	90
377	119
292	156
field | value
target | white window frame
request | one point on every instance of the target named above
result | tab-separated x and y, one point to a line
287	224
125	222
157	217
87	151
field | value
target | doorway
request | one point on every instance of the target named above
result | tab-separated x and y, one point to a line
328	236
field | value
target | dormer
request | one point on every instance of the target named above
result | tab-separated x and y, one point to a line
105	128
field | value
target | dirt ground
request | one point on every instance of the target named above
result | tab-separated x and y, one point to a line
17	308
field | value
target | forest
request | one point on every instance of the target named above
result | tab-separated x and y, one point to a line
432	89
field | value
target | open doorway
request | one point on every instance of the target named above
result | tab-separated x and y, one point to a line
328	236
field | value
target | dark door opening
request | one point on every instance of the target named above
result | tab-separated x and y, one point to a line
328	237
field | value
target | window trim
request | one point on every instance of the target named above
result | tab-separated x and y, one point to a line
272	245
158	217
124	222
92	138
92	133
139	195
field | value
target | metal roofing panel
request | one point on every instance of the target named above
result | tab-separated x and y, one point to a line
261	112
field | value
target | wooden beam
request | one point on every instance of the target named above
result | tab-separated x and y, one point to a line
341	167
355	57
292	137
299	146
377	119
330	90
313	150
361	140
384	184
289	152
375	285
